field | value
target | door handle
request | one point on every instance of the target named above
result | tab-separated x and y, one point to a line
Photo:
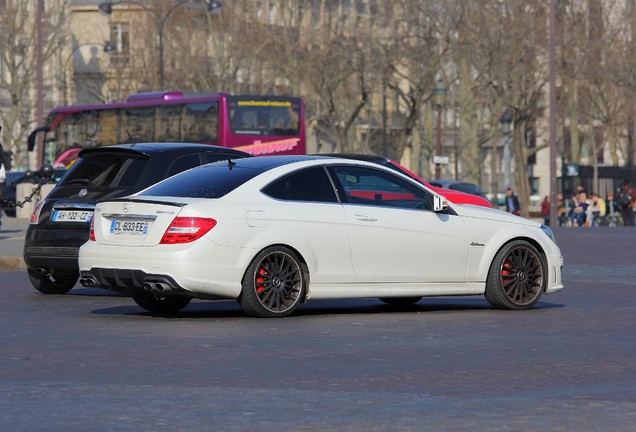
365	218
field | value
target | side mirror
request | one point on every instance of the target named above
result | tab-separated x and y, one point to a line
439	203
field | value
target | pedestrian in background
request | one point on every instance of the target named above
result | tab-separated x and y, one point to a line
579	207
3	176
611	209
626	197
596	209
512	203
545	210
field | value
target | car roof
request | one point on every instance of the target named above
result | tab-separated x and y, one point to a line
357	156
448	182
160	147
269	162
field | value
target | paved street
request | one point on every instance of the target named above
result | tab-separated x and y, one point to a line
94	360
12	242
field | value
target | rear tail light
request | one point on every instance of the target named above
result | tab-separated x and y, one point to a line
187	229
35	215
91	234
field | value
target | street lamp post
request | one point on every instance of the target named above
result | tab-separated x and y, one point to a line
552	115
39	71
439	99
493	173
506	129
107	9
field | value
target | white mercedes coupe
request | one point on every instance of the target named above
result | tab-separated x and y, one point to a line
273	232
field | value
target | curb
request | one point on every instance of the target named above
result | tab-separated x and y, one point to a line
12	243
12	264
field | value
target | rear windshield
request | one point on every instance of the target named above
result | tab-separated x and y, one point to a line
209	181
106	170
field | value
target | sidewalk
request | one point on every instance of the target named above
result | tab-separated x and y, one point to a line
12	243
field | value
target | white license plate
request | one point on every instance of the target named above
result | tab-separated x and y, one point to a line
72	216
118	226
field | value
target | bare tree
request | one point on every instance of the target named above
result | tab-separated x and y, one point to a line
221	45
415	53
18	59
335	74
510	55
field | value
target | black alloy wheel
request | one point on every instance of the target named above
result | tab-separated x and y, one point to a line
274	283
57	283
517	277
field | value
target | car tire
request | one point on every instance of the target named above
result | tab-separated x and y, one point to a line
274	284
161	304
400	301
517	277
54	284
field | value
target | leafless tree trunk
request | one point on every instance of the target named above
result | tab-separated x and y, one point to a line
18	59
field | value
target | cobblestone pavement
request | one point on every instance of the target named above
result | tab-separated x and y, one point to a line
12	242
93	360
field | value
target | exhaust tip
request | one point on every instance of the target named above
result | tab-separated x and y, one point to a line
156	286
87	282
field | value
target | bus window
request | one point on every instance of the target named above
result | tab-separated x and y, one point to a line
139	123
264	117
258	124
168	126
106	127
244	120
200	122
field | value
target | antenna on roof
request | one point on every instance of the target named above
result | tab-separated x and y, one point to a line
230	164
130	138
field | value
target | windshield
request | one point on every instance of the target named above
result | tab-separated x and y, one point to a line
272	116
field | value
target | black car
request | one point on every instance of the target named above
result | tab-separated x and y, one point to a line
60	224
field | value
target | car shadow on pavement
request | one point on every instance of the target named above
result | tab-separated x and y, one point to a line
94	292
230	309
6	234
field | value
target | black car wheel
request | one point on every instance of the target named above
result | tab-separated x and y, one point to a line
517	277
274	283
161	304
53	284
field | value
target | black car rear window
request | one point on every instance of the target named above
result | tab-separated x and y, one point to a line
106	170
208	181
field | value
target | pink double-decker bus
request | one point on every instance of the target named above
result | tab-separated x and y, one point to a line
257	124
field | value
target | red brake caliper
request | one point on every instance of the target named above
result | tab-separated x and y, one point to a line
505	271
260	280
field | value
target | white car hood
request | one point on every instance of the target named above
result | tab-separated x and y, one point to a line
478	212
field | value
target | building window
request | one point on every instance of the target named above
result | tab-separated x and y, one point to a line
120	44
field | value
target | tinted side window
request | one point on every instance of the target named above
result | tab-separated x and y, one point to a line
311	184
367	186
